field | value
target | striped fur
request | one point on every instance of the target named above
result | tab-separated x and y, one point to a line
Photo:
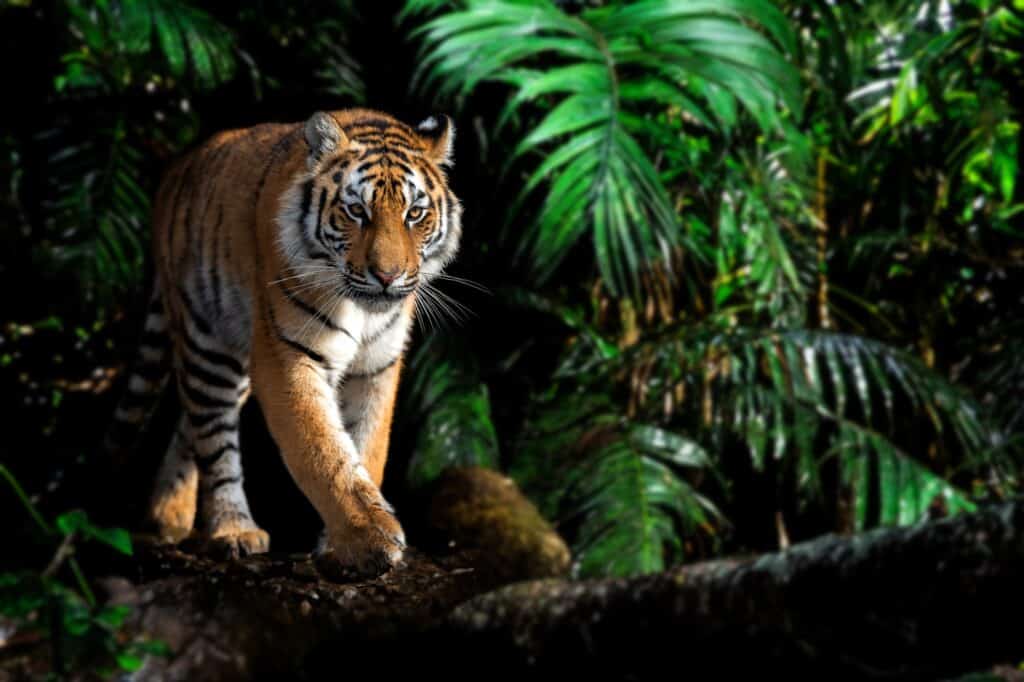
288	262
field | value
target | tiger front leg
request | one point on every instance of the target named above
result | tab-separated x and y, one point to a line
295	391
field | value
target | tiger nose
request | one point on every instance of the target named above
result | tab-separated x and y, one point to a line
385	277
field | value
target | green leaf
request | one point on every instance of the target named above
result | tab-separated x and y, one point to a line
76	521
905	98
454	413
129	662
592	77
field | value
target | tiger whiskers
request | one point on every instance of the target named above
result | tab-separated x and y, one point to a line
307	332
425	315
440	305
472	284
307	271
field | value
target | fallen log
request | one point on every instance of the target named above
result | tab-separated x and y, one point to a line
923	602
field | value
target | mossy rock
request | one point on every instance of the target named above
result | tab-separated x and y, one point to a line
479	509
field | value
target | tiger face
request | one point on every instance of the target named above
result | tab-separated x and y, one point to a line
373	218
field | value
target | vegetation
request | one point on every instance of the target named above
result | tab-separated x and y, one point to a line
734	274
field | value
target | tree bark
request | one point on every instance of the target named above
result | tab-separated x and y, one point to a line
931	601
922	602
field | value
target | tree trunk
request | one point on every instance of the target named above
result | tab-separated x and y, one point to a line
932	600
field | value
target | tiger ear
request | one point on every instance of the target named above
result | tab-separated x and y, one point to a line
324	137
439	134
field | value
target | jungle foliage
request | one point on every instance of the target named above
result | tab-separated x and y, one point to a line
753	267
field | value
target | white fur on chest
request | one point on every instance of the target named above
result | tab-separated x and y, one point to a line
357	342
383	340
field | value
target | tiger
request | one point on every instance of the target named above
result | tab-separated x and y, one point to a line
288	258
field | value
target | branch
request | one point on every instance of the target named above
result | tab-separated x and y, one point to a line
921	602
925	602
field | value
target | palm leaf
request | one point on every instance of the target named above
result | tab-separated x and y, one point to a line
449	406
190	40
621	489
600	179
776	390
97	211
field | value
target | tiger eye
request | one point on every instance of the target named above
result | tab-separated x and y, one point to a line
414	213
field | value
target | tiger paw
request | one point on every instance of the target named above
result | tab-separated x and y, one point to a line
362	552
237	543
171	520
172	508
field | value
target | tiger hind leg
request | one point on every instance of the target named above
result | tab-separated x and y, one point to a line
214	386
172	507
147	378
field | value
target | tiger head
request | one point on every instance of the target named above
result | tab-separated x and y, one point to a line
372	217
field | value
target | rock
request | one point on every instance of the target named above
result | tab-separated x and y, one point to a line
481	510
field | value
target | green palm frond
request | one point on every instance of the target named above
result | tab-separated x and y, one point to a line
777	389
340	74
635	506
934	72
799	397
450	407
616	66
191	42
98	210
765	255
114	41
620	488
999	384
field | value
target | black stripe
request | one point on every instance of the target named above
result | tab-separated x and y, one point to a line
320	208
207	377
320	218
215	267
200	399
282	146
387	150
185	179
374	372
313	311
191	200
363	167
213	357
387	325
218	429
319	256
402	167
210	170
268	312
205	462
307	200
201	420
381	123
224	481
309	352
387	141
198	320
